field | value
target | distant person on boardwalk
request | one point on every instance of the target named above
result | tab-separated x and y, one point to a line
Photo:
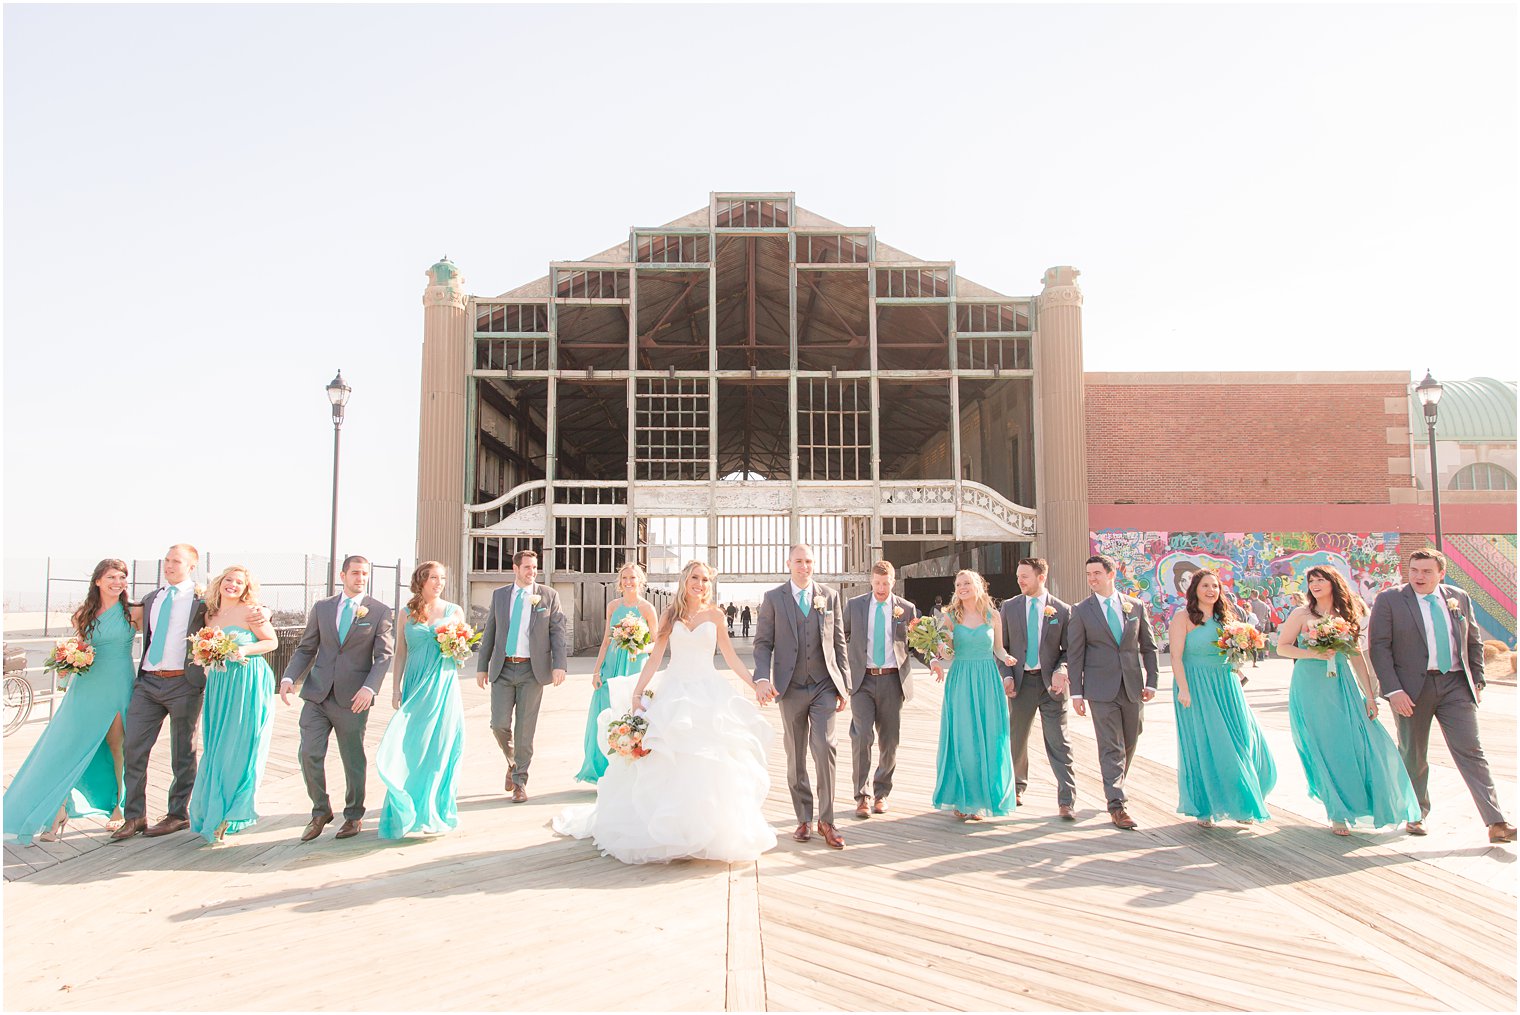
745	618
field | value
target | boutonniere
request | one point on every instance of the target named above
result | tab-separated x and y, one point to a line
1050	611
897	612
535	599
820	603
361	613
1452	604
200	592
1129	608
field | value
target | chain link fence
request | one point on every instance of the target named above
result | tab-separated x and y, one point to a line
289	583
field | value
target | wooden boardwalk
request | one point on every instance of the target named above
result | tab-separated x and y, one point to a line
918	912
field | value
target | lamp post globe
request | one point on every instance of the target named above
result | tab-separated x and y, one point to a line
338	392
1429	391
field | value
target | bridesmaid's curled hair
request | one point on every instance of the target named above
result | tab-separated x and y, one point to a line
84	617
423	572
1222	610
1343	602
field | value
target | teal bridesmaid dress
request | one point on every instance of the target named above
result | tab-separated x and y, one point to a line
71	764
1224	766
616	663
237	717
1353	766
975	766
423	746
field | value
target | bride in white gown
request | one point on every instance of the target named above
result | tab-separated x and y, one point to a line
700	790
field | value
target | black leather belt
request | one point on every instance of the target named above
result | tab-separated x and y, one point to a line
1032	673
1442	673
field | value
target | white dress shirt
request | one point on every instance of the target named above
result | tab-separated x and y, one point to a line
891	660
1432	663
521	600
797	590
177	630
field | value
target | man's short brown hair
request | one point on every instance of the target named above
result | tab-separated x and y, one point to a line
521	555
1038	563
884	567
1435	555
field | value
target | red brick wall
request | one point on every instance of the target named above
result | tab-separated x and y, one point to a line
1144	444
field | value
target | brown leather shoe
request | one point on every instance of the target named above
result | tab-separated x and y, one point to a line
129	828
314	827
1067	814
1122	819
350	828
1018	800
510	785
800	833
862	808
1501	831
880	806
519	795
1415	828
166	825
830	835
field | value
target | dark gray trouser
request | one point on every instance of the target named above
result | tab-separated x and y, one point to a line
807	726
1053	719
1116	726
875	710
319	720
516	689
1448	701
152	699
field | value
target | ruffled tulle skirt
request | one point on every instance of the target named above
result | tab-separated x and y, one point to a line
699	793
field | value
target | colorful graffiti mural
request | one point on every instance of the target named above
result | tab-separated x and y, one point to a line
1484	566
1154	567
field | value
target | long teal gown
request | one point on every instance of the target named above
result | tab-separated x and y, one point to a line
422	748
1224	766
237	717
975	766
616	663
1353	765
71	764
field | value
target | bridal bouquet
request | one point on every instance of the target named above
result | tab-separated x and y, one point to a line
71	656
457	640
631	634
1237	640
212	649
927	635
625	736
1332	633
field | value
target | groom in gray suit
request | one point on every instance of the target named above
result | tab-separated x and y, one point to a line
1034	633
521	650
1108	642
1427	652
800	654
881	682
347	648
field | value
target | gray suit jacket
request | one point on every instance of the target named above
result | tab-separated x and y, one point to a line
341	669
1098	666
857	632
1396	640
1052	638
779	632
194	675
546	634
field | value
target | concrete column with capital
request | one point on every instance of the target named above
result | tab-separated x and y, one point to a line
1061	434
441	431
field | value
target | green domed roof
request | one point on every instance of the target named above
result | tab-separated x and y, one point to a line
1479	410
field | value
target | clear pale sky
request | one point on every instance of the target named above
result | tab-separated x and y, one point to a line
209	210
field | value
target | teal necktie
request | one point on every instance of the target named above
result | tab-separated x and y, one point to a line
802	602
1113	620
1439	621
161	626
879	640
516	623
345	618
1032	635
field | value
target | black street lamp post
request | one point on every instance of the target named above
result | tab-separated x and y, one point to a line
337	394
1429	391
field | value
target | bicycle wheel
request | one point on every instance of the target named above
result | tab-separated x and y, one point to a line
18	703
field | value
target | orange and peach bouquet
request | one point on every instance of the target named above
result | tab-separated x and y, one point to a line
457	640
1238	640
212	649
625	736
71	656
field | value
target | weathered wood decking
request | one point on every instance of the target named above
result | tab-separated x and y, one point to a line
919	911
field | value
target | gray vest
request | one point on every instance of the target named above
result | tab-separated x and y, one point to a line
810	668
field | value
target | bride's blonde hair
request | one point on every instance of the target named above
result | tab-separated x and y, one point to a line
983	601
682	608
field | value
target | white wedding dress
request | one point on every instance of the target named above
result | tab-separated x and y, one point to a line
700	790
